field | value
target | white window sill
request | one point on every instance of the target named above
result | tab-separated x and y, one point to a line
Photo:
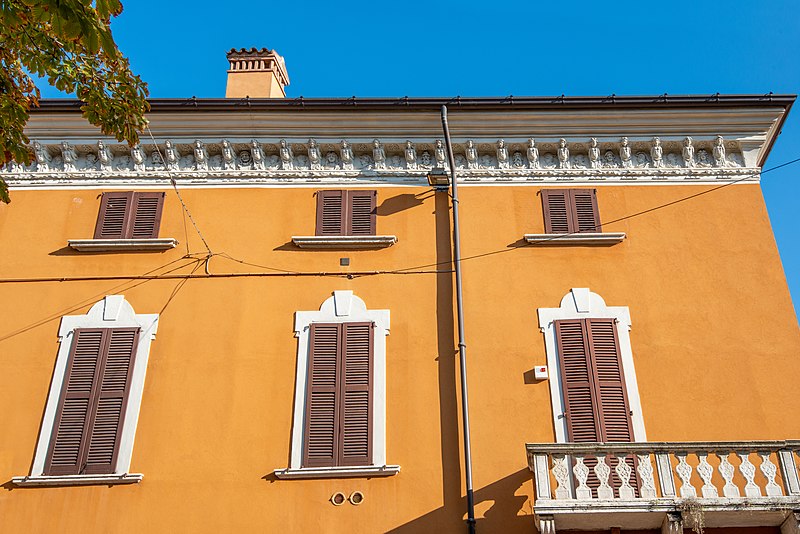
344	241
338	472
110	245
585	238
77	480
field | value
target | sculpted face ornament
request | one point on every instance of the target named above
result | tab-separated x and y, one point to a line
472	155
287	158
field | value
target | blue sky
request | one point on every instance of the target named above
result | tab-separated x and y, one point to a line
491	49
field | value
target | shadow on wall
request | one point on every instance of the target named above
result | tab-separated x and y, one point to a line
502	510
497	505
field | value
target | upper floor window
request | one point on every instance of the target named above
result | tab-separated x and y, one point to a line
571	217
342	212
129	215
568	211
127	221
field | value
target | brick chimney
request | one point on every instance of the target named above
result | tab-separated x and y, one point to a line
256	73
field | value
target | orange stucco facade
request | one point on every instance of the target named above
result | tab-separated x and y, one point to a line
714	339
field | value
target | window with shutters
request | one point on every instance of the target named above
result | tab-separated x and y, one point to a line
572	216
346	219
339	426
129	215
127	220
87	433
346	212
591	370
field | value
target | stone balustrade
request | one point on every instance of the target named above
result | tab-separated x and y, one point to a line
665	478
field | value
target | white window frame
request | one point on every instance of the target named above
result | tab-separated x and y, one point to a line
111	312
580	303
342	307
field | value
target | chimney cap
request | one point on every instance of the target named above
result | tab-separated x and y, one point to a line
271	61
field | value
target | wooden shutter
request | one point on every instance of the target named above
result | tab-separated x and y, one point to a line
356	442
112	220
88	423
331	212
577	382
129	215
555	204
361	212
146	215
322	421
611	396
593	385
570	210
586	217
338	419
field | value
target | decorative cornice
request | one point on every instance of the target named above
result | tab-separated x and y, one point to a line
243	162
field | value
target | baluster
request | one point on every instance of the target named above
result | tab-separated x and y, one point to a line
749	471
726	470
684	471
645	469
582	492
624	471
561	473
770	471
542	476
705	471
665	478
602	470
789	472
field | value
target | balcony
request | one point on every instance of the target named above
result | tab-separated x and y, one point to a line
666	485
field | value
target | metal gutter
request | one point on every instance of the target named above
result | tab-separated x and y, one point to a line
462	344
544	103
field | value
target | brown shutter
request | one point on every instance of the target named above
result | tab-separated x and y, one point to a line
146	210
113	218
321	425
112	397
577	381
361	215
612	396
555	204
586	217
88	420
356	442
331	212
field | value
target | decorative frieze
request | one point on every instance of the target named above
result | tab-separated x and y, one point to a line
409	161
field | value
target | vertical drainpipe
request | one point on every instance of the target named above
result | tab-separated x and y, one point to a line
462	345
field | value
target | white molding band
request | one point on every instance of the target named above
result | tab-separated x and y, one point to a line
338	472
111	245
111	312
125	179
78	480
342	307
580	303
583	238
349	242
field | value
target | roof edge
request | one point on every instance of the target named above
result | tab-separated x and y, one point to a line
157	105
